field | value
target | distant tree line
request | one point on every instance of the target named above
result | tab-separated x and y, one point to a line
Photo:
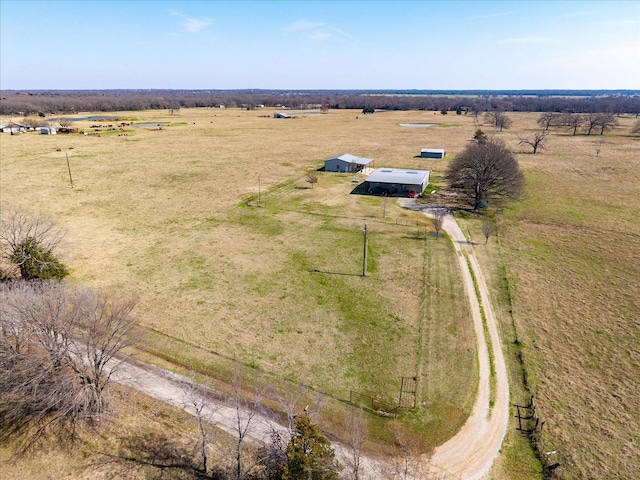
68	101
593	122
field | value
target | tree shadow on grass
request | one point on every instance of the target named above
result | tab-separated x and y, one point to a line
157	456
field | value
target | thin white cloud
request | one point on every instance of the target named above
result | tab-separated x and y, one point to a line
194	25
317	31
341	33
191	24
304	24
524	40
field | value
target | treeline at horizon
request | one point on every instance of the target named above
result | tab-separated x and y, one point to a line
48	102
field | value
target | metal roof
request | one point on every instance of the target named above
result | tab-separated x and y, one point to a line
399	176
433	150
347	157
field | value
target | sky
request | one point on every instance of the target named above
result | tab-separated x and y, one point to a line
362	45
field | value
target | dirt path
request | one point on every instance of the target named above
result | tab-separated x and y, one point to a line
468	455
172	389
472	451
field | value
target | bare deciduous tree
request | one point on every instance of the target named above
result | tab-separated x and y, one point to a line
58	349
246	410
498	120
487	230
273	456
537	142
606	122
312	179
357	433
33	122
591	121
28	241
438	219
599	146
549	119
65	122
197	398
289	401
573	121
636	127
409	449
485	171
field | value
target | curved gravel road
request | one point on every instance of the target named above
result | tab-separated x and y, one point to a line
472	451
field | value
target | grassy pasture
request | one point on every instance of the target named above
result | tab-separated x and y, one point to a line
169	216
163	214
571	255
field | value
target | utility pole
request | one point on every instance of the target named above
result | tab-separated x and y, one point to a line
364	253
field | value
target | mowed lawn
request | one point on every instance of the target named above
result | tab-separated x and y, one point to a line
171	216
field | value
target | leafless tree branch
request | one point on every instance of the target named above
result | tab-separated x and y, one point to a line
58	347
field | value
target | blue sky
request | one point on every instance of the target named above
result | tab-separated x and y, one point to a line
320	45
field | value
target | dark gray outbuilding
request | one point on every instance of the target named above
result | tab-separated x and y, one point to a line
432	153
396	181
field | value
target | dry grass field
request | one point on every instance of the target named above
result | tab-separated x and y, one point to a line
170	216
571	253
145	435
572	249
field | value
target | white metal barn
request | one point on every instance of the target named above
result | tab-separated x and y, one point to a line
12	128
398	182
432	153
346	163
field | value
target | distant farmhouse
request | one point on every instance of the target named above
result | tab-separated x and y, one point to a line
432	153
346	163
12	128
398	182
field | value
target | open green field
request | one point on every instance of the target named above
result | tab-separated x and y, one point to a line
171	216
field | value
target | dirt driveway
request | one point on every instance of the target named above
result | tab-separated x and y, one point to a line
472	451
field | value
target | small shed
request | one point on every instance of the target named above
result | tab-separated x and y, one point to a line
281	115
346	163
398	182
48	130
432	153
